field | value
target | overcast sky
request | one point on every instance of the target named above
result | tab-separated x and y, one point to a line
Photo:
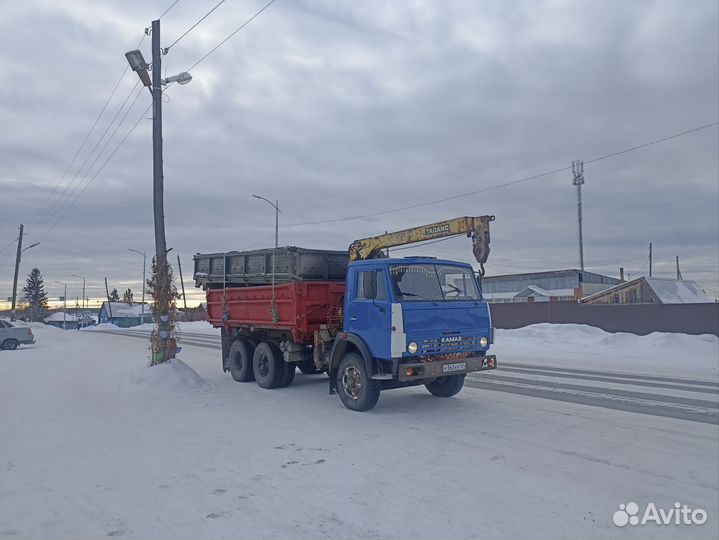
342	109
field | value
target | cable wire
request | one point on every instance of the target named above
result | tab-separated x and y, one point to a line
107	160
168	9
84	141
504	184
191	28
60	202
221	43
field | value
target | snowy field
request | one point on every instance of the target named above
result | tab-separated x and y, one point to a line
93	443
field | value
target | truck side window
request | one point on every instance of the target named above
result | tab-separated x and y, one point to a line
371	285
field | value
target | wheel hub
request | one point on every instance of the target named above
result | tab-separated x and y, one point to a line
352	382
263	366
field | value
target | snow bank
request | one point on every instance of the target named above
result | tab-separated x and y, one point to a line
172	377
584	346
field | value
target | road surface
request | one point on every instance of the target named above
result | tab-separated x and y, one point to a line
682	398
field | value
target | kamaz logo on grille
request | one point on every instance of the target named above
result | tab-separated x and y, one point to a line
429	231
453	339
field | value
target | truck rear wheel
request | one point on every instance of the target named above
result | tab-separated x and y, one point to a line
240	360
268	365
446	386
356	389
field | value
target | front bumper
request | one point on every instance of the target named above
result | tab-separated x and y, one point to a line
442	368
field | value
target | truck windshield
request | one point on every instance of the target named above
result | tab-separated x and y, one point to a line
434	282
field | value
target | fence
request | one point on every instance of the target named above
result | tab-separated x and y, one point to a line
638	319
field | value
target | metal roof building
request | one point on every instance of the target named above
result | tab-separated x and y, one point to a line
551	286
651	290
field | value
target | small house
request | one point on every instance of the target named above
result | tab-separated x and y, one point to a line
125	315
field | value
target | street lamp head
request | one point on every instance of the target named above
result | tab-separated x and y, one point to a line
139	66
31	246
180	78
136	60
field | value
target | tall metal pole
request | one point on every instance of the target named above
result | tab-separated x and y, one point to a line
650	259
144	265
276	206
64	308
163	296
275	317
17	269
578	171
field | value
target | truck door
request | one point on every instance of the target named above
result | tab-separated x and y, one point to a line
368	312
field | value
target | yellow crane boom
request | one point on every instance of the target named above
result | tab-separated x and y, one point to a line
476	228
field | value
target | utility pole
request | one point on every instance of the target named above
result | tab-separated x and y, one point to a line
109	304
17	269
650	259
184	299
679	274
163	293
578	172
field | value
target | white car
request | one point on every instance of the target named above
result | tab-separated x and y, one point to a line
12	336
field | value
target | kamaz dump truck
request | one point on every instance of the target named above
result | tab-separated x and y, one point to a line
369	321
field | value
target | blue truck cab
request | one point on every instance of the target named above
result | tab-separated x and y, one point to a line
406	322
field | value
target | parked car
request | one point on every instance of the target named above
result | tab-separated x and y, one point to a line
11	336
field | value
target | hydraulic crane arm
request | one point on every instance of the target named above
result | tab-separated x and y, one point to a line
476	228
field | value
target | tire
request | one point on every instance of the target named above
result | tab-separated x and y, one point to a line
308	367
289	375
356	390
10	344
240	361
446	386
268	365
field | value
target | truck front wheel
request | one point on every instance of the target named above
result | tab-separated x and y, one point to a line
356	389
268	365
446	386
240	360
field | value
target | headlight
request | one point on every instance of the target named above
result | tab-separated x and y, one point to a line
412	347
483	342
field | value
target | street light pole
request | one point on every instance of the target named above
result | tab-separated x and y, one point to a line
276	206
163	287
143	280
17	269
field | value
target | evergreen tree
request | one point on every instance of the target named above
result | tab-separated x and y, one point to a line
127	296
114	296
35	295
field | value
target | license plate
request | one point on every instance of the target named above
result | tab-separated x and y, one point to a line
459	366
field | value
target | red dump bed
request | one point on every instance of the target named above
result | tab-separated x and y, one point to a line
302	306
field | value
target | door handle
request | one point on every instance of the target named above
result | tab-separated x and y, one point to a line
353	318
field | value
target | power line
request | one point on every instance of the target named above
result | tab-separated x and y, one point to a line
50	214
48	203
504	184
168	9
191	28
107	160
221	43
85	139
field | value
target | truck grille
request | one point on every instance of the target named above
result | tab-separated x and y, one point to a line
449	345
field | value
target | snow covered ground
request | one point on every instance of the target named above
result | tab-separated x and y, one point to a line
94	443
